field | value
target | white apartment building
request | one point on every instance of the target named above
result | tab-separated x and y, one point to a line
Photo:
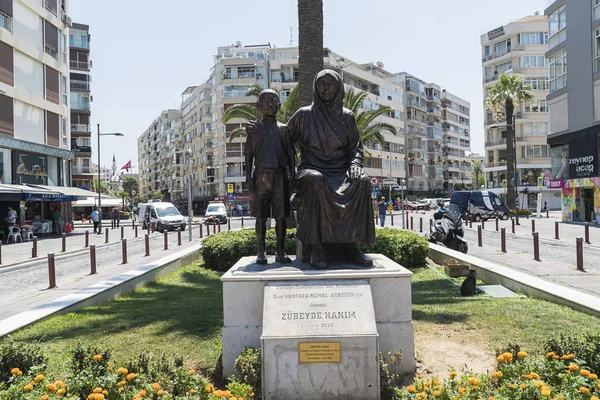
518	47
105	173
34	92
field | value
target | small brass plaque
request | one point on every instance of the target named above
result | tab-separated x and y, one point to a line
319	352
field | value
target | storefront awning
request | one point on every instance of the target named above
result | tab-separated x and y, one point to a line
93	201
67	191
8	193
32	193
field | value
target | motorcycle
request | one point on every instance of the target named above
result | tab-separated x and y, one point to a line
448	229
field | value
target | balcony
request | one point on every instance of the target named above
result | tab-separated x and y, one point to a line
80	106
82	149
83	128
435	111
422	120
498	142
50	51
80	85
415	132
80	42
83	65
82	170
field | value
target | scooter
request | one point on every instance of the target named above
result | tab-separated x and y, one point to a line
448	229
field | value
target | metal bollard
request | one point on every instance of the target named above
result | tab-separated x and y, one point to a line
87	239
536	246
106	236
421	224
219	226
497	222
556	236
214	226
587	232
166	240
503	240
51	271
93	260
124	250
411	223
513	226
407	220
527	214
178	236
122	232
579	242
228	224
136	231
132	224
34	248
392	215
207	230
376	219
430	226
147	244
64	242
547	214
479	236
200	226
532	226
482	222
242	221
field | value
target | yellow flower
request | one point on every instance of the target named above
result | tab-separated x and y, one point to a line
521	354
192	391
192	371
160	393
462	390
419	376
437	393
594	398
98	357
122	371
523	386
232	398
546	393
120	389
44	397
97	390
593	377
512	385
142	393
473	381
534	375
410	389
130	377
137	397
61	392
497	375
585	372
556	357
421	395
28	387
110	368
584	390
539	384
15	371
209	388
59	384
251	394
39	378
573	367
453	374
105	392
122	383
51	388
550	354
155	386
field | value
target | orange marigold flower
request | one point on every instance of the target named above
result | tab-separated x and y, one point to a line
44	397
120	389
105	392
110	368
421	396
209	388
573	367
51	388
410	389
593	377
192	391
550	354
142	393
39	378
521	354
585	372
556	357
523	386
452	374
192	371
437	393
594	398
497	375
61	392
160	393
98	357
512	385
59	384
473	381
462	390
122	383
15	371
130	377
584	390
28	387
155	386
122	371
137	397
546	393
97	390
419	376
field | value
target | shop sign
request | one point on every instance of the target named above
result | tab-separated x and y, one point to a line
30	168
583	157
556	184
495	33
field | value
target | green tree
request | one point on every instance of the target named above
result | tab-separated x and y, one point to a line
478	170
310	46
130	184
509	91
103	187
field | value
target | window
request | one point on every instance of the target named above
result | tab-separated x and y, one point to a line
540	151
506	67
540	83
502	48
64	90
533	38
487	51
596	6
7	73
246	72
558	70
597	49
52	129
532	62
6	14
535	106
64	132
52	85
535	129
557	20
51	39
7	125
63	48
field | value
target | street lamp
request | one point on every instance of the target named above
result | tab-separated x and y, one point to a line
98	187
402	184
190	163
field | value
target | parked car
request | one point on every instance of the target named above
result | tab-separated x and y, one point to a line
422	205
218	211
481	204
163	215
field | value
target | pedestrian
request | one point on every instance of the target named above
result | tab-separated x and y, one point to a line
115	217
240	210
545	206
11	216
95	216
382	206
58	220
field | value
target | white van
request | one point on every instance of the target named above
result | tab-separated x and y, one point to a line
163	215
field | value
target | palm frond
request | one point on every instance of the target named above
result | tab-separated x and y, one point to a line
373	134
254	90
236	133
244	111
365	118
353	100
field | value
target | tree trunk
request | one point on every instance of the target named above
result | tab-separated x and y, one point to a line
510	156
310	46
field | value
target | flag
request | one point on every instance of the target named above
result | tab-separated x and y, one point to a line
127	166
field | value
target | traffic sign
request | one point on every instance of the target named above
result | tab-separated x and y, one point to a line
230	188
540	182
230	197
376	192
390	208
133	192
374	181
390	181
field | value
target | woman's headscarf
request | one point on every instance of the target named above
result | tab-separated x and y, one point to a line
331	130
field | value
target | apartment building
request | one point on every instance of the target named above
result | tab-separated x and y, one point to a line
80	84
159	156
519	47
574	105
105	173
34	92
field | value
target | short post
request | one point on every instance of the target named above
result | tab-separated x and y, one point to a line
421	224
527	214
587	233
207	230
407	220
200	229
136	230
536	246
34	247
411	223
430	226
64	242
219	226
228	224
479	236
532	226
556	236
214	226
503	240
579	242
482	222
106	236
132	223
547	213
497	224
93	260
122	232
376	219
178	236
51	271
470	221
0	253
124	250
86	242
166	239
242	221
513	226
147	244
392	217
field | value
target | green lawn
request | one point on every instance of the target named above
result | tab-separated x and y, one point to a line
183	314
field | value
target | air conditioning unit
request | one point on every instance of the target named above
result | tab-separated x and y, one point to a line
67	20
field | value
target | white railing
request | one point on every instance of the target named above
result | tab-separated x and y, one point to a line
83	85
80	64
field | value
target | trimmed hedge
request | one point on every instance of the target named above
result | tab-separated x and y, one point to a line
222	250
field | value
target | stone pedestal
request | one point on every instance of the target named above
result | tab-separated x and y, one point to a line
243	304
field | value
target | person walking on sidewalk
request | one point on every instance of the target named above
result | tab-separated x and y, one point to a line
58	221
382	206
95	216
115	217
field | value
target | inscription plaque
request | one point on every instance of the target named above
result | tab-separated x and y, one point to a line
319	352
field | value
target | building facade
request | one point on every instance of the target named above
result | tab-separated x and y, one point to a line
520	48
80	103
34	92
574	105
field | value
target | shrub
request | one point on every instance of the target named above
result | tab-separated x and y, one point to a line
587	348
248	369
221	251
20	355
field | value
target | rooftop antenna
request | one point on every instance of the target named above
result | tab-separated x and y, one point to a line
291	37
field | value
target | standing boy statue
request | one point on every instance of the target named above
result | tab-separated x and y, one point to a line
270	149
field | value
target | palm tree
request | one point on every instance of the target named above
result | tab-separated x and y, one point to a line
310	46
509	91
478	169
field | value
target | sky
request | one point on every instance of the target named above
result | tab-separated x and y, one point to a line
146	52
